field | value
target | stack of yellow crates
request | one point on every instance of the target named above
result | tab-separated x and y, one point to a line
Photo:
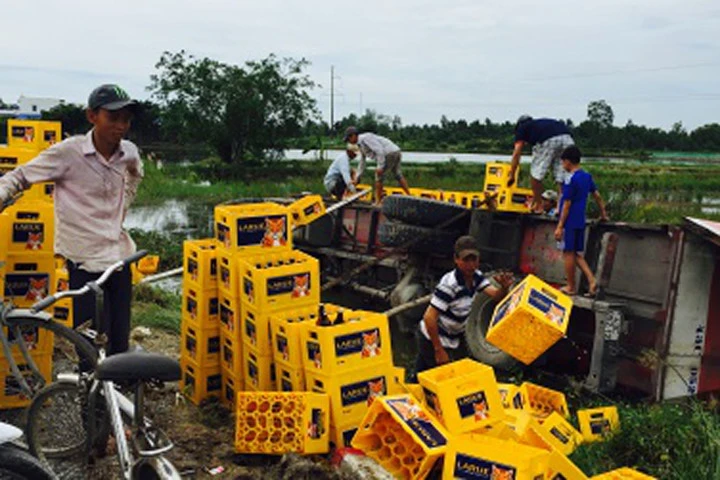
200	343
508	199
27	264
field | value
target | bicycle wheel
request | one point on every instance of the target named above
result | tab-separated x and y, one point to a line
16	464
70	349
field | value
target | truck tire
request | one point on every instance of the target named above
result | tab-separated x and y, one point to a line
425	212
476	329
396	234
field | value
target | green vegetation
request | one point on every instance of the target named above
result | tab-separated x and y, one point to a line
156	308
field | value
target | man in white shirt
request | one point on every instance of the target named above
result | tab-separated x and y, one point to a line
387	155
96	177
340	177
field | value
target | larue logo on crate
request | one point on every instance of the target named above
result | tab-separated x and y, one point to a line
365	391
418	421
474	405
297	285
32	287
367	343
268	231
471	467
31	234
553	311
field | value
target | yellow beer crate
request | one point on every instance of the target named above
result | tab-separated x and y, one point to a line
285	333
255	329
352	392
497	175
341	435
201	345
282	422
540	401
474	456
361	341
40	192
229	313
463	395
258	370
200	263
253	228
597	423
292	280
197	382
528	429
62	312
624	473
13	157
561	434
29	277
530	319
514	199
289	378
32	227
200	307
231	354
307	210
501	431
507	393
10	394
400	434
231	386
33	134
562	468
38	341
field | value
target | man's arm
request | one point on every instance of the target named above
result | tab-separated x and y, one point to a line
133	177
601	205
346	174
563	218
505	280
517	153
431	325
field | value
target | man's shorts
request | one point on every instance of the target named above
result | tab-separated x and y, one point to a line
547	154
574	240
392	164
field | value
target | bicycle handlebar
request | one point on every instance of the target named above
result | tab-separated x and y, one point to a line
47	301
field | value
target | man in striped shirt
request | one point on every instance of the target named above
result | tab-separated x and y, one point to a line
441	336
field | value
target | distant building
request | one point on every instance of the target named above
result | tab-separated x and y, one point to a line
32	106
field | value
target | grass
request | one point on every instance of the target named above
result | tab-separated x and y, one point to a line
156	308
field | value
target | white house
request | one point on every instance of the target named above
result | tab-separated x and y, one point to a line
35	105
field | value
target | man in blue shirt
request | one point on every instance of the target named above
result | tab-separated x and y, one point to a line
570	232
548	138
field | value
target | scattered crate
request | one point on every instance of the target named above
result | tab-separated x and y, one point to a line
402	436
463	395
540	401
597	423
561	468
530	319
282	422
307	209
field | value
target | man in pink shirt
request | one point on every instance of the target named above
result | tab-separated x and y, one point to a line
96	177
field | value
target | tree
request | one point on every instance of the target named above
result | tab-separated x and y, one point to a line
72	116
241	112
600	113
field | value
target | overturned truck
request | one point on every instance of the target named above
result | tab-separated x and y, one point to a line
653	330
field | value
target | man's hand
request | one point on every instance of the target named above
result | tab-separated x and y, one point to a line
504	279
511	180
558	233
441	356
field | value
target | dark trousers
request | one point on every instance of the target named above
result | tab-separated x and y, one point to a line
425	359
117	295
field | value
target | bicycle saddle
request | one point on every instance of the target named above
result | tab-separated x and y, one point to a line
138	366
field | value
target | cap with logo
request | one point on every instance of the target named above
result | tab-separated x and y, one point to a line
110	97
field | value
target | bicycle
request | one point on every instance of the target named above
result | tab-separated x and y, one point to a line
95	404
16	463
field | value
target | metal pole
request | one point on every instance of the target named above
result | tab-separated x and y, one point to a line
408	305
332	98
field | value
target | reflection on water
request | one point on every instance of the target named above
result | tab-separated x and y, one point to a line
195	220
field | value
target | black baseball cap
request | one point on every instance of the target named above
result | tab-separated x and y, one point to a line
350	131
466	245
110	97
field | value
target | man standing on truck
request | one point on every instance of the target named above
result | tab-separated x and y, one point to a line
548	138
384	152
441	336
340	178
570	231
96	177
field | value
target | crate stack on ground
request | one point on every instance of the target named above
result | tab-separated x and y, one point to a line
200	341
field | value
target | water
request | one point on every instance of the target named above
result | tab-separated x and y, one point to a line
192	219
410	157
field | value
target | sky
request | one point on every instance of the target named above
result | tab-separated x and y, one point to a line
656	62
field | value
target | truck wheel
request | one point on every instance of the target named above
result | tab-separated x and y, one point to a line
476	329
396	234
422	211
